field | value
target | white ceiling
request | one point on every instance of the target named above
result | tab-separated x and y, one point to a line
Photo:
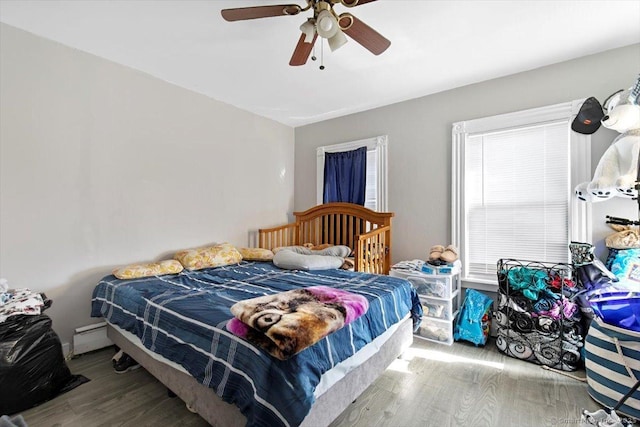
435	46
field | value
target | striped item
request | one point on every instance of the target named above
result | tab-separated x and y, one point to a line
613	366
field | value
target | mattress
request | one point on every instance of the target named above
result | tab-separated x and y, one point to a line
182	318
328	379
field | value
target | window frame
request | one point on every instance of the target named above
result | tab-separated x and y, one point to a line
376	143
580	164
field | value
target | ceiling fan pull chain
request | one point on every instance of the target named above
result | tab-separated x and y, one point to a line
322	54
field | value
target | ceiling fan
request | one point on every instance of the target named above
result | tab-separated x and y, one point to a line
325	23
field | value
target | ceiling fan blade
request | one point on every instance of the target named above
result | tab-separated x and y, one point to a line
354	3
363	34
244	13
302	51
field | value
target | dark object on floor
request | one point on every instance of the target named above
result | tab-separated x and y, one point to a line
116	357
125	364
32	367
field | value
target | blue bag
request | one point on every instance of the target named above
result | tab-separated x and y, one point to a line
472	324
619	307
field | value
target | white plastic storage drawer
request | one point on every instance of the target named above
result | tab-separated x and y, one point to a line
436	330
434	286
439	308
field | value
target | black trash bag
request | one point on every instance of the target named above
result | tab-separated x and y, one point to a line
32	366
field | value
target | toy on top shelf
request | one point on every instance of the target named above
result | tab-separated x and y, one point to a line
617	170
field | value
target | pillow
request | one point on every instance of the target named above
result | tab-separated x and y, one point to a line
134	271
211	256
256	254
297	249
291	260
341	251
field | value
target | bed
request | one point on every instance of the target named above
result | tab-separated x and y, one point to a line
174	326
366	232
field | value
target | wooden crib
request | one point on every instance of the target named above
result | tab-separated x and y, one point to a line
366	232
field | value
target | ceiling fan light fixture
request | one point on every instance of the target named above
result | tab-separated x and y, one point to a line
309	31
326	24
337	41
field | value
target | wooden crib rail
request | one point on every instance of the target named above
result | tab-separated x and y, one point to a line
348	209
366	232
284	235
372	253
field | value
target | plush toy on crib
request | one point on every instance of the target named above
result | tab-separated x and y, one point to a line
617	170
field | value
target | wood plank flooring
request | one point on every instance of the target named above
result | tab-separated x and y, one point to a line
431	385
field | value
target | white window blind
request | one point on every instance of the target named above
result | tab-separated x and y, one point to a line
516	196
513	177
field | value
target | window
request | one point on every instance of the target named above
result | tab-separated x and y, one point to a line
513	181
376	186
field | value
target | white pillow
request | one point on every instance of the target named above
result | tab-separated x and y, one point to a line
341	251
290	260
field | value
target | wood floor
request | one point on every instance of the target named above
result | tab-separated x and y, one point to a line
431	385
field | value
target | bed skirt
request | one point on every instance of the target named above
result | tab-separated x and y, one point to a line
216	412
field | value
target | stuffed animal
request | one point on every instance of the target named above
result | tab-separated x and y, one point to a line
617	170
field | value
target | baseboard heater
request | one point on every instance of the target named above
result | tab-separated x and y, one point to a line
90	338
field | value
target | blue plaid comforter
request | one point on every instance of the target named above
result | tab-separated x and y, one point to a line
183	318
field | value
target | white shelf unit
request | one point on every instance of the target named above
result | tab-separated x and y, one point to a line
440	298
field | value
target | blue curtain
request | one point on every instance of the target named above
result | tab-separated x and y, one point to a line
345	176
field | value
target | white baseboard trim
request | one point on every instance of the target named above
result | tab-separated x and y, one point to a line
90	338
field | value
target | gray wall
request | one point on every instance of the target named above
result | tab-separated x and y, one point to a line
420	141
101	165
